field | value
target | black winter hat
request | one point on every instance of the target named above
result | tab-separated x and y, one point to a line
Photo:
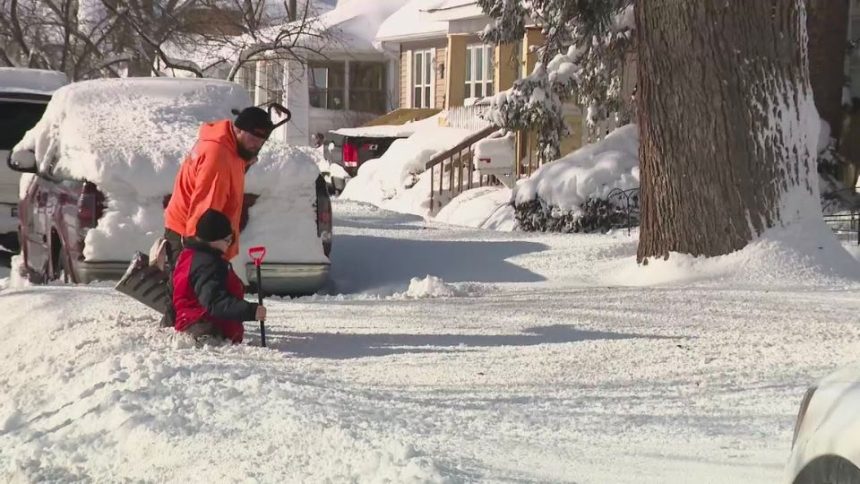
256	121
212	226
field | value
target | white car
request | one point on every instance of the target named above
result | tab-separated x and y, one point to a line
826	444
102	163
24	94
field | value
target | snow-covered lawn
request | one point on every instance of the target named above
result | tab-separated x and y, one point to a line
532	358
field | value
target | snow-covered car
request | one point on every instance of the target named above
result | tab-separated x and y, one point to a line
24	94
102	162
826	443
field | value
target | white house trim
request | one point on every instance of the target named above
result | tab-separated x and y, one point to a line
432	78
409	77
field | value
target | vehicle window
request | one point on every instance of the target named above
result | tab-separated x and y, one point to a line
16	118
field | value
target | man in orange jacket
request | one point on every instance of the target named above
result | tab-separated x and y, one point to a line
212	176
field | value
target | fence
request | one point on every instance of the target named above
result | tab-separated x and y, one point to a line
845	226
627	202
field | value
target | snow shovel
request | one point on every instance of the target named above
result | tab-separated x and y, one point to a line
257	254
145	282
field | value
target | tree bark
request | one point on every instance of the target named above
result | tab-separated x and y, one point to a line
727	123
827	24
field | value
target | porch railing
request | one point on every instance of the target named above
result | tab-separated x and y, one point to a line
453	171
845	226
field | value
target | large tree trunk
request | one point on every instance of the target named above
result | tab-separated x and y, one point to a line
827	24
727	123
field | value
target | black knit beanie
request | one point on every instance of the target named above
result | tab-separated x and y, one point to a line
212	226
256	121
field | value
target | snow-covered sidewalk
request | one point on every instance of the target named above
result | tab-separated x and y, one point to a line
528	359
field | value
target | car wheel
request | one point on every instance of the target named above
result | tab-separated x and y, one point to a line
61	266
829	470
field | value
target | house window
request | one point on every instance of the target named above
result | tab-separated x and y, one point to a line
326	85
367	87
274	85
248	78
479	70
422	78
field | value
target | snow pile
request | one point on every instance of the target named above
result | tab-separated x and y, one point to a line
485	208
429	287
383	180
35	81
133	151
498	148
592	171
802	254
106	397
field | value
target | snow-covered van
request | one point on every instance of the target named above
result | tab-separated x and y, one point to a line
24	93
102	161
826	447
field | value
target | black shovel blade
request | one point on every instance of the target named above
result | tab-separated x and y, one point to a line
145	283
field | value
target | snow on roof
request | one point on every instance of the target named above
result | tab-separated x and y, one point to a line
210	56
591	171
350	27
354	25
36	81
456	10
412	21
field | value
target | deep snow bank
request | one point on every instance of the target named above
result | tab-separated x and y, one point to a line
802	254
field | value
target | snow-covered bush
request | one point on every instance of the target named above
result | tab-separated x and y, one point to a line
595	215
586	191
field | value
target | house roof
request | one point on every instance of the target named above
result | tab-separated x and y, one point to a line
456	10
353	25
349	28
413	22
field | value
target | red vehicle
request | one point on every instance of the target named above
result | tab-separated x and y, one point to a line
79	224
56	214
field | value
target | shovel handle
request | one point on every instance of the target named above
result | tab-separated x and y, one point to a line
257	254
260	297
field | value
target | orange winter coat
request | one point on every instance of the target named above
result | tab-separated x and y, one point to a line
211	176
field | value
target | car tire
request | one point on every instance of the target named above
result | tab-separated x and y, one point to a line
829	470
61	262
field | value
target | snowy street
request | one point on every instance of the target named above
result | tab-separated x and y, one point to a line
532	358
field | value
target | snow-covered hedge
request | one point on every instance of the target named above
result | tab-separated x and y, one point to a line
580	192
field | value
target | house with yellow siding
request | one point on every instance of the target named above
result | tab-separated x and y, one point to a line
444	65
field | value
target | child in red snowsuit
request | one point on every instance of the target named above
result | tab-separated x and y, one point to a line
207	295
